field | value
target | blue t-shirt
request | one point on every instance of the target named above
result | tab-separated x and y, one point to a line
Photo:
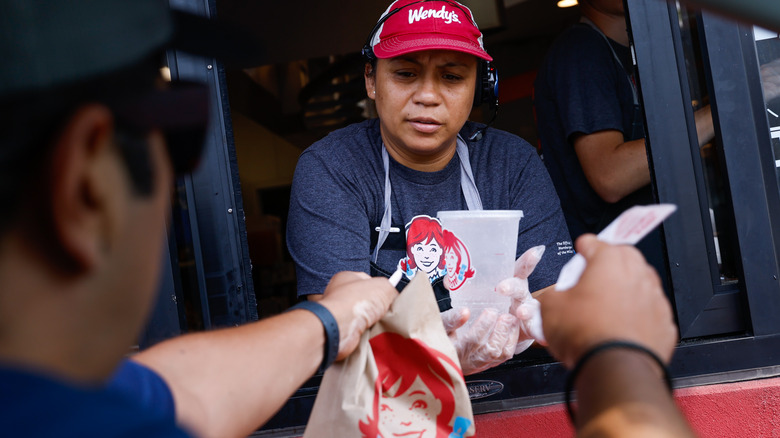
338	199
581	88
135	403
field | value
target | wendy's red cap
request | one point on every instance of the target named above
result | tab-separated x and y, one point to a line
413	25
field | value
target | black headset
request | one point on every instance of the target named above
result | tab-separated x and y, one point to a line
487	77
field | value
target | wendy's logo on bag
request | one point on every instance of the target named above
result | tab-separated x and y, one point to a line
414	393
437	252
403	380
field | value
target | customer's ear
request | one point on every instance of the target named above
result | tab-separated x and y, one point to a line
85	171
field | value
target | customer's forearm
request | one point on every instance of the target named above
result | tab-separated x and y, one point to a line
621	393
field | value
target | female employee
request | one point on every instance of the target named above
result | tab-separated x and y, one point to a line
355	192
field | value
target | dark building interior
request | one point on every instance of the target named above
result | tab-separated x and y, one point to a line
310	82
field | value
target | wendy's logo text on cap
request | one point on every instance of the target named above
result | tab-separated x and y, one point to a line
423	14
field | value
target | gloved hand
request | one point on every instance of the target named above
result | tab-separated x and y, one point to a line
524	306
489	341
494	338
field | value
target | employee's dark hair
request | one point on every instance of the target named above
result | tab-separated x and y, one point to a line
32	120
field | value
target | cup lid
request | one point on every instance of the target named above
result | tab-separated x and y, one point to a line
474	214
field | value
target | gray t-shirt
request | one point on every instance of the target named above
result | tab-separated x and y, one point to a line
338	199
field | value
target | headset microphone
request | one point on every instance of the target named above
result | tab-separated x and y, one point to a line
477	136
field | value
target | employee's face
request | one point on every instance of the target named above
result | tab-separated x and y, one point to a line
423	99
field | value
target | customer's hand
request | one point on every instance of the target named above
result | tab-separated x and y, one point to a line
618	297
357	301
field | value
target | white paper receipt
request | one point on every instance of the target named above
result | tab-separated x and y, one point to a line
628	229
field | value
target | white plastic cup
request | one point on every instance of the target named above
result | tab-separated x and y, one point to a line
491	239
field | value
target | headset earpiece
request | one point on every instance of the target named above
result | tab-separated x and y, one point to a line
368	53
486	92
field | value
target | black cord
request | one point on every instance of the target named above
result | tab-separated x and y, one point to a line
477	136
603	347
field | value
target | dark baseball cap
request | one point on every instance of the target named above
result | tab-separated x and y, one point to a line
46	44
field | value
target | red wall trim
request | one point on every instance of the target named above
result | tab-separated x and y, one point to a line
731	410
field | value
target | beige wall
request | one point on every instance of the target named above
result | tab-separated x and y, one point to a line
264	160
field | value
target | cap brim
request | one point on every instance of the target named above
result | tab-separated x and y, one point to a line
180	105
181	111
401	45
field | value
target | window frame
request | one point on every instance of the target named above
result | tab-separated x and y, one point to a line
215	214
703	309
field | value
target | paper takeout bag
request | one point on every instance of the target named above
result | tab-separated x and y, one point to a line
404	377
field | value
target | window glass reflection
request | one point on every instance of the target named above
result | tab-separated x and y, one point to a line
718	205
768	52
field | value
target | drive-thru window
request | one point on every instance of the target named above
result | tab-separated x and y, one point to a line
228	264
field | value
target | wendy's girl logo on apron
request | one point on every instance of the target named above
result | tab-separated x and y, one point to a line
436	252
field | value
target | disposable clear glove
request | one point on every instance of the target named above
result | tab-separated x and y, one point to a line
495	337
489	341
524	306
